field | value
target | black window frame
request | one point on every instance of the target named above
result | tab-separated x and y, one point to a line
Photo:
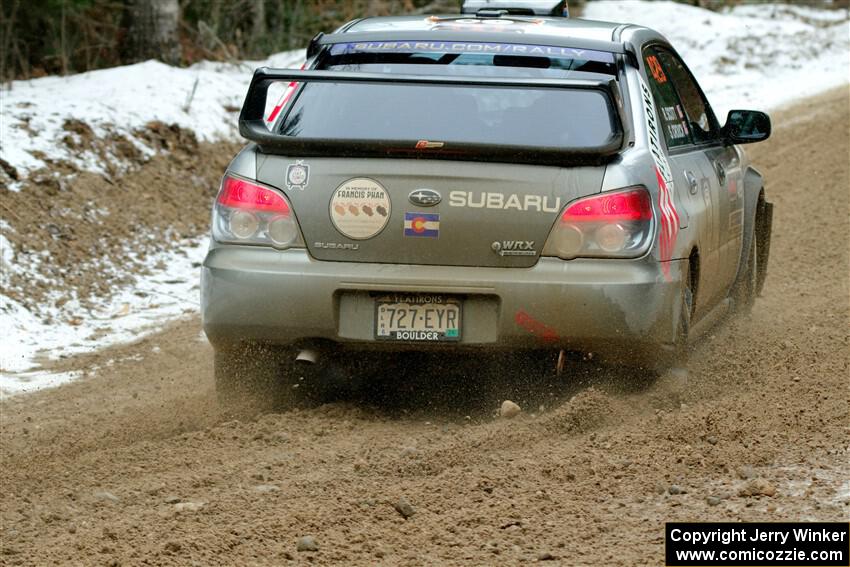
712	117
687	142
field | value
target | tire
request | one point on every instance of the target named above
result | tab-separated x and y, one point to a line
253	377
684	328
764	228
747	287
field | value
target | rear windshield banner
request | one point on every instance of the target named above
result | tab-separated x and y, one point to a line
517	49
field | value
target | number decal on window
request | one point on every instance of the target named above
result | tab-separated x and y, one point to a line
655	68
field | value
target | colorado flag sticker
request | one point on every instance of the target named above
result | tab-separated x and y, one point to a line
422	224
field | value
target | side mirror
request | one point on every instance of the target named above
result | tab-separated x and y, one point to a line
746	127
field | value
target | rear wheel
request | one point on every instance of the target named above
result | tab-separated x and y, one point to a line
684	328
764	223
253	377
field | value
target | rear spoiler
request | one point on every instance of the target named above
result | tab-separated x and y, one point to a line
252	124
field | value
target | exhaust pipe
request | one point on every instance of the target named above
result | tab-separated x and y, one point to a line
307	356
562	362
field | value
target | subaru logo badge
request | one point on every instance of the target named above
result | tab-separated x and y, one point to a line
425	197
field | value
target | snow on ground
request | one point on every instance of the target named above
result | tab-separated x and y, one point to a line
134	312
760	57
202	98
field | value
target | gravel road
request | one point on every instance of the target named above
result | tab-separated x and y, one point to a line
135	464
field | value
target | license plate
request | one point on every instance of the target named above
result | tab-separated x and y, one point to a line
417	317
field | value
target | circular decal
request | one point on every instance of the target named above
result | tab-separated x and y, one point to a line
297	175
360	208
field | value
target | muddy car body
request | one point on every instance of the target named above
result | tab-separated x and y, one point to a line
502	181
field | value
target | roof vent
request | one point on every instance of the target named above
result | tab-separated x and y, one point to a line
491	13
489	8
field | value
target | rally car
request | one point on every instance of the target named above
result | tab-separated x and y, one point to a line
466	183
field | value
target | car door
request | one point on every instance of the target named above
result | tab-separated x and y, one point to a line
720	165
693	188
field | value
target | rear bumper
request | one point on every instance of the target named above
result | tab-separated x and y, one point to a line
625	308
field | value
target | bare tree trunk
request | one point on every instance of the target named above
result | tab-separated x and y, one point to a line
259	15
152	30
294	20
8	40
63	50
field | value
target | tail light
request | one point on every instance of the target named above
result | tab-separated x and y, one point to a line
614	224
248	213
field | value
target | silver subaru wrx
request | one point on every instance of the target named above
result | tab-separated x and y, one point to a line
477	182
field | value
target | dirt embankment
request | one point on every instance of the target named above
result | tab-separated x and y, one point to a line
136	465
86	234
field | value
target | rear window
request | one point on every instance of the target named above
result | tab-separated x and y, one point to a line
508	116
471	115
